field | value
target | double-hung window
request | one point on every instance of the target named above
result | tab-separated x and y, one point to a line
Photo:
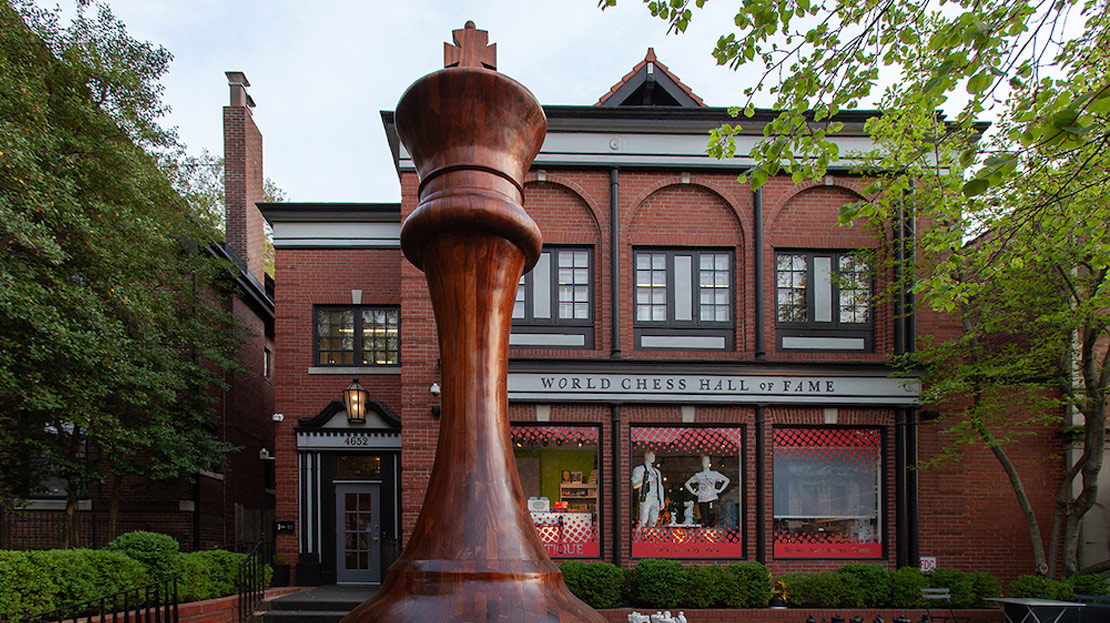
823	301
554	301
357	336
683	299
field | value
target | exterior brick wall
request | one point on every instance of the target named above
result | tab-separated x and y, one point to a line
712	209
310	277
222	609
962	503
243	180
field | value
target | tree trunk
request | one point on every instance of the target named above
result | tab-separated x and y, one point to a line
1095	375
1094	445
113	507
1023	498
70	523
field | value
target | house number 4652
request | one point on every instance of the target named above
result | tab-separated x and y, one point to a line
356	441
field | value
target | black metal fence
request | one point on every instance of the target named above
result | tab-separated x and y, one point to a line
151	603
37	529
252	579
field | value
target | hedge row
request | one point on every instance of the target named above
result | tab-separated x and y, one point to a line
43	580
668	584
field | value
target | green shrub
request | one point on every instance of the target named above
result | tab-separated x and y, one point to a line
657	583
1040	587
596	583
824	589
874	582
85	574
984	585
710	586
158	553
24	585
1088	584
209	574
905	588
753	584
958	584
793	581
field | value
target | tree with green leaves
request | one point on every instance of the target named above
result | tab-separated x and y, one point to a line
113	335
1013	237
200	180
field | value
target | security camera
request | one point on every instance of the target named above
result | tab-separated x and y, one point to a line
435	390
278	417
264	455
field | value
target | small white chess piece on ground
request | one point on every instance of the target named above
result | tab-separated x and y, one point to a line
636	617
681	617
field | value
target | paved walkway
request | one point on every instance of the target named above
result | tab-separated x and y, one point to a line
333	594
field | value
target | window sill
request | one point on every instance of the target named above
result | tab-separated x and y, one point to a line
56	505
354	370
680	339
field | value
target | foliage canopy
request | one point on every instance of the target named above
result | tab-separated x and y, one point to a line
113	332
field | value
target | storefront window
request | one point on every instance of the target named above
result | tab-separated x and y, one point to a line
559	475
827	483
686	485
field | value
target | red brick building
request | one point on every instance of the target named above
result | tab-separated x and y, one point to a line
697	371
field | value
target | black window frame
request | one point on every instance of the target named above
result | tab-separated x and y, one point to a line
529	324
695	326
358	350
834	328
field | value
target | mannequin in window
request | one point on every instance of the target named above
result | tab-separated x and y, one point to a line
648	484
707	485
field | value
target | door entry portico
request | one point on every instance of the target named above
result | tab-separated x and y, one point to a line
358	533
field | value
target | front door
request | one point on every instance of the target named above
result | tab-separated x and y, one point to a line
357	534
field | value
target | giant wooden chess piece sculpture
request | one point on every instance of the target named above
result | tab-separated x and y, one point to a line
473	554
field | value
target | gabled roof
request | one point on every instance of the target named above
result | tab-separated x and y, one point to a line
650	83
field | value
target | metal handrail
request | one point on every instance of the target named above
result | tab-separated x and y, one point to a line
150	603
252	581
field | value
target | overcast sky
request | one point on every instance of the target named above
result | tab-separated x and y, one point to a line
321	71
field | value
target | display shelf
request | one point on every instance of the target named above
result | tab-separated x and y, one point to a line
580	496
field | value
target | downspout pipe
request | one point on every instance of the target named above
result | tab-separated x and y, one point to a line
760	485
912	537
899	286
615	455
909	238
901	552
614	263
757	267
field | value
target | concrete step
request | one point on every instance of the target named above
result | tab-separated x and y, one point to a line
323	604
302	616
310	605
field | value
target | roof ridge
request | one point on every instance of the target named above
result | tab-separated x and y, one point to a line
650	57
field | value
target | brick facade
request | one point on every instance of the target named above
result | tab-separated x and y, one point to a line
668	205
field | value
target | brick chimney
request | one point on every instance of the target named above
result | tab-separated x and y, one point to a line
243	177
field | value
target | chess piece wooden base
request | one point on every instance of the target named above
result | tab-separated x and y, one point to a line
473	554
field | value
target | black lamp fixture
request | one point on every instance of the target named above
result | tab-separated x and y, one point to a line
355	398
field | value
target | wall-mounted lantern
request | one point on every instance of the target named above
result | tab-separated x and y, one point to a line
355	398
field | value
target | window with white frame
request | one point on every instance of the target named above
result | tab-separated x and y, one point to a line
683	299
823	300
